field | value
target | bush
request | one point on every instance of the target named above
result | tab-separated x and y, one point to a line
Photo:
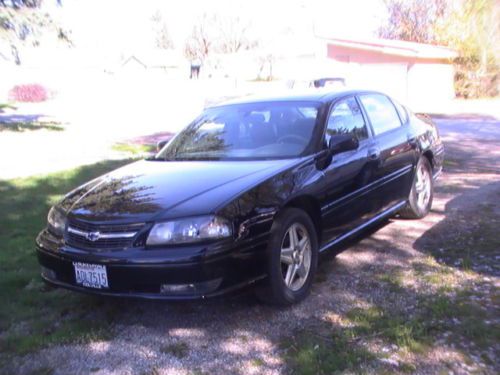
470	84
29	93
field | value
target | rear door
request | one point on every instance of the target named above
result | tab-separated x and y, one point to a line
397	153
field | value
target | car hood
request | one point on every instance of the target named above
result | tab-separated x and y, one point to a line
148	190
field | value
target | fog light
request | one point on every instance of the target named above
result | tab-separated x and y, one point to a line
193	288
48	273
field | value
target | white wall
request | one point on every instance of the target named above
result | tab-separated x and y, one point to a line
419	85
430	84
390	78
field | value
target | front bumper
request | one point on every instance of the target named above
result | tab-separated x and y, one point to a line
153	274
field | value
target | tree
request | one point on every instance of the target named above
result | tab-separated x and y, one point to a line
414	20
469	26
234	35
160	29
22	22
473	29
201	41
218	34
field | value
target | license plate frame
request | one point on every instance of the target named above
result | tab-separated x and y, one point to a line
91	275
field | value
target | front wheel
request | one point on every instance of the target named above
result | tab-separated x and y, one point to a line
292	257
422	192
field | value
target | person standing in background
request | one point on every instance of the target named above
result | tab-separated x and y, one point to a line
195	68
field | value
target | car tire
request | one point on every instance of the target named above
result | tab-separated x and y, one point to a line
422	192
292	250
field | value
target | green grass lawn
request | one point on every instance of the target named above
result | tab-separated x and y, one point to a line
33	314
134	149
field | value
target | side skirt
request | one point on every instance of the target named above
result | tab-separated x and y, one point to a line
390	211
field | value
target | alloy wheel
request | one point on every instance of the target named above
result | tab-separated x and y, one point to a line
295	256
423	187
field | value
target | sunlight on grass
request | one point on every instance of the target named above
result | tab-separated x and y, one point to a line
134	149
310	354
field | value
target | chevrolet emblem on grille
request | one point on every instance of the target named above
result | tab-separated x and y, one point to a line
93	236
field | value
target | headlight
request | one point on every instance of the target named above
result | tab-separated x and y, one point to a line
57	221
189	230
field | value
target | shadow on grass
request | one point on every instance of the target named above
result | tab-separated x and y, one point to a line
28	126
31	313
21	123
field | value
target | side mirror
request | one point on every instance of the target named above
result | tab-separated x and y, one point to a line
342	143
160	145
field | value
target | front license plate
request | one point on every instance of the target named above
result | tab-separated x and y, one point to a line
91	275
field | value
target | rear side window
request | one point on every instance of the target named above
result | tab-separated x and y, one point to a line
346	118
381	111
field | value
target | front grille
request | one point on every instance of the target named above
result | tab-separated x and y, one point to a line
111	237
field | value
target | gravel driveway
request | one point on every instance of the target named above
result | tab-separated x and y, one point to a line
392	270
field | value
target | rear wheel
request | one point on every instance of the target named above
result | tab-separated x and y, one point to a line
293	258
422	191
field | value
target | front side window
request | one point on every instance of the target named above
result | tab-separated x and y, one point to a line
246	131
346	118
381	111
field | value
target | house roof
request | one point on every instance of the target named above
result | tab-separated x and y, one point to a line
155	58
133	58
395	47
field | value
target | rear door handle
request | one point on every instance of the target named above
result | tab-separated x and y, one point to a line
373	153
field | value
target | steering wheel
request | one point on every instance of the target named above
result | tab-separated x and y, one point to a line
294	138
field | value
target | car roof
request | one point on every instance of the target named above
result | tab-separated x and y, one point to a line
313	95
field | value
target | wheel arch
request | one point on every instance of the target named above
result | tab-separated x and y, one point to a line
311	206
430	157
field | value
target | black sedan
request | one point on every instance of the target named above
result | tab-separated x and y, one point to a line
252	191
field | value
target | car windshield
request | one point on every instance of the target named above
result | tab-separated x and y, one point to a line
270	130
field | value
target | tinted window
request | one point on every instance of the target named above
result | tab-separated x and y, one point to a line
246	131
381	112
346	118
